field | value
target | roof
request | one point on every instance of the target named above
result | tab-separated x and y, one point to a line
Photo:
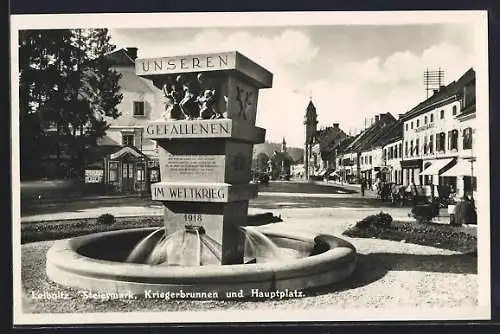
366	139
452	91
343	146
101	151
329	139
120	57
394	133
311	113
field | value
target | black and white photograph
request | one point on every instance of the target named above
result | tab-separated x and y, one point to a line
250	167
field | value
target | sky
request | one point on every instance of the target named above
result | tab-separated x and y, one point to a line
351	72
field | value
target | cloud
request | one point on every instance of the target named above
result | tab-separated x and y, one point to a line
358	90
345	93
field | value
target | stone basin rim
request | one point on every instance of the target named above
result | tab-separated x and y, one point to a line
64	255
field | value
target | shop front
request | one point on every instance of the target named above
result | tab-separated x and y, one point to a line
463	178
130	171
433	178
411	170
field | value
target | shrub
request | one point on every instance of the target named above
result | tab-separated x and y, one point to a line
379	220
465	213
106	219
461	239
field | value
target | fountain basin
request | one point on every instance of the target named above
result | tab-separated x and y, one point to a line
88	262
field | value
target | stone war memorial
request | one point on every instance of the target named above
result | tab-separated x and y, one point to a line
205	143
205	140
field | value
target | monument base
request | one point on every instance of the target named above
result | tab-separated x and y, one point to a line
221	225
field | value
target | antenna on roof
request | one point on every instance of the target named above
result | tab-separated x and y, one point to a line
433	79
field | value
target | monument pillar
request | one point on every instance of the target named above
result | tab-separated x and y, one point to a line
205	142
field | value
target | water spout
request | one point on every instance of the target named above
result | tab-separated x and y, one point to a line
260	247
146	246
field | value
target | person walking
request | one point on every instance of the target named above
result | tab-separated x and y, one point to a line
363	186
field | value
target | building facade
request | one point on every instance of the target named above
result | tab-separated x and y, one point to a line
392	152
432	132
125	159
362	158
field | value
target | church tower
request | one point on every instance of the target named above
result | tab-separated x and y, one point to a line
311	123
283	145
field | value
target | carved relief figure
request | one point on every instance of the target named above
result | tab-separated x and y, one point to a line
173	96
189	103
208	97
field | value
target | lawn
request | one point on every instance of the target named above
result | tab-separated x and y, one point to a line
456	238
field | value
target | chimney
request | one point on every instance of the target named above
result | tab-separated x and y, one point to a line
377	118
435	91
400	116
131	52
335	125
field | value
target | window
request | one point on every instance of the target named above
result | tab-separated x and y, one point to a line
113	171
425	120
431	144
127	139
154	175
139	108
400	150
406	148
411	125
440	141
416	146
385	154
140	172
411	147
454	110
425	145
432	118
370	159
453	140
406	125
418	123
467	138
441	114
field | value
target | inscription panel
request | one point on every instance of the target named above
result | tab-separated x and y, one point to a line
189	129
185	64
189	168
202	192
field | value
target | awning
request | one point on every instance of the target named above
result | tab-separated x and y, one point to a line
462	168
436	166
127	150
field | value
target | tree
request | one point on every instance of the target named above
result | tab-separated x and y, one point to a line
38	78
261	162
67	80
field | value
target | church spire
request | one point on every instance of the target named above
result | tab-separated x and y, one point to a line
310	121
283	145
